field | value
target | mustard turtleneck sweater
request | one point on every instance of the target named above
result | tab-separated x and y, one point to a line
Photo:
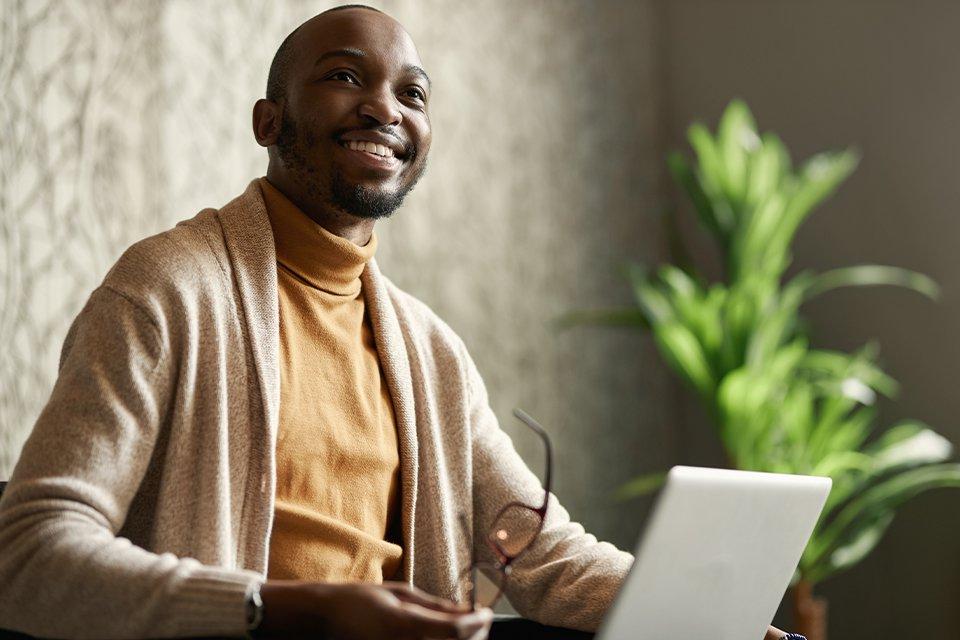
337	458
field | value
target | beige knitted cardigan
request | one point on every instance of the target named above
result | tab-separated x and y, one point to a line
142	502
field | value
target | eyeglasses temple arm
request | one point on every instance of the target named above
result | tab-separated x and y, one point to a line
528	420
468	535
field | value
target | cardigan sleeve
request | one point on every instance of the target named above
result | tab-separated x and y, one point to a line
567	578
63	570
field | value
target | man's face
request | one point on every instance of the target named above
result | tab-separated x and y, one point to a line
355	131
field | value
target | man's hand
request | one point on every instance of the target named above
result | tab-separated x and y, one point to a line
364	611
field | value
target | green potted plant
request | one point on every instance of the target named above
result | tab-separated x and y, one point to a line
778	403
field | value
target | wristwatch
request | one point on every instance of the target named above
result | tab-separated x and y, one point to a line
793	636
254	609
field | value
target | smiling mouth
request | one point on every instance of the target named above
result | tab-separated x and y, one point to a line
371	148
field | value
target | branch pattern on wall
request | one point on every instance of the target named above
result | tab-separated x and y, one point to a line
78	176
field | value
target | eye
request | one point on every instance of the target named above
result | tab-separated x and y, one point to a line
416	93
346	76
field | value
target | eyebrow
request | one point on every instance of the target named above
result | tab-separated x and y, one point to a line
351	52
414	69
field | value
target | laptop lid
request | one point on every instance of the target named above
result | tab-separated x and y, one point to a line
717	555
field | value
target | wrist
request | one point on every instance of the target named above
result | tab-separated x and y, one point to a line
291	606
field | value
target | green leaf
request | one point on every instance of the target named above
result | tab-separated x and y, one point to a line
747	402
641	486
711	175
905	445
679	281
750	246
766	171
737	138
862	540
686	178
739	317
682	351
833	368
776	324
873	275
840	462
784	362
656	306
696	309
797	415
875	503
908	444
852	432
818	179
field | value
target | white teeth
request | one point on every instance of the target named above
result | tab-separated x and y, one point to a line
369	147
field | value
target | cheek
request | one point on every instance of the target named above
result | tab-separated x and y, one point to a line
425	146
328	113
424	136
339	106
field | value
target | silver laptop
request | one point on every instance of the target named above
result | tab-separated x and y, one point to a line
717	555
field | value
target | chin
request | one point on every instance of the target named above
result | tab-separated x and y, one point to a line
368	202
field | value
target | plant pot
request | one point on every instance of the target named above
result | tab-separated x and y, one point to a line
809	612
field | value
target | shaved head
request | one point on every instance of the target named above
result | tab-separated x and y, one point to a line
282	60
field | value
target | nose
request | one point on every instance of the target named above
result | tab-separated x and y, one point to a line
382	107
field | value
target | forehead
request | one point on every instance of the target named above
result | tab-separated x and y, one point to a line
381	38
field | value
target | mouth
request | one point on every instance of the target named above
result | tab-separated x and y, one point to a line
371	154
371	148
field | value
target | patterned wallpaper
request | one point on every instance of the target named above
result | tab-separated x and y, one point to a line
80	177
122	117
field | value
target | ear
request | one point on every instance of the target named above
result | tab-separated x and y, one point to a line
267	120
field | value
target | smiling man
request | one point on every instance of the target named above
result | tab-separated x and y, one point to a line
254	432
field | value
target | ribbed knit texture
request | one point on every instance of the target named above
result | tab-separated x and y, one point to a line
143	501
338	471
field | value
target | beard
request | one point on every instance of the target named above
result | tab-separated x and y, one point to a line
354	199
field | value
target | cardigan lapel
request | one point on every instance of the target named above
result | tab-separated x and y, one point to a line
249	241
392	352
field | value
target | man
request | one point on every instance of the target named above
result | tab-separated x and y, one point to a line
253	430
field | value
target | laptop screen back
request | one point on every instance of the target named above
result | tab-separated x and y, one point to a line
717	556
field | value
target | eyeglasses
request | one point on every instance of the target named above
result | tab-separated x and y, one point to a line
514	530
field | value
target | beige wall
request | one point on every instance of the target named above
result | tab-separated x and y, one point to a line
881	76
542	177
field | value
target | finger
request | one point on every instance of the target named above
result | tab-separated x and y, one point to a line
480	633
407	593
773	633
483	632
430	623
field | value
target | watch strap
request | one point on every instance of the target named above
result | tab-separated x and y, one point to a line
254	609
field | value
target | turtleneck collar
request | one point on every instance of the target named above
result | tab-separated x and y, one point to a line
323	260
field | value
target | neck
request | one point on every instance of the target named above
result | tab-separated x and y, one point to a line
338	222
